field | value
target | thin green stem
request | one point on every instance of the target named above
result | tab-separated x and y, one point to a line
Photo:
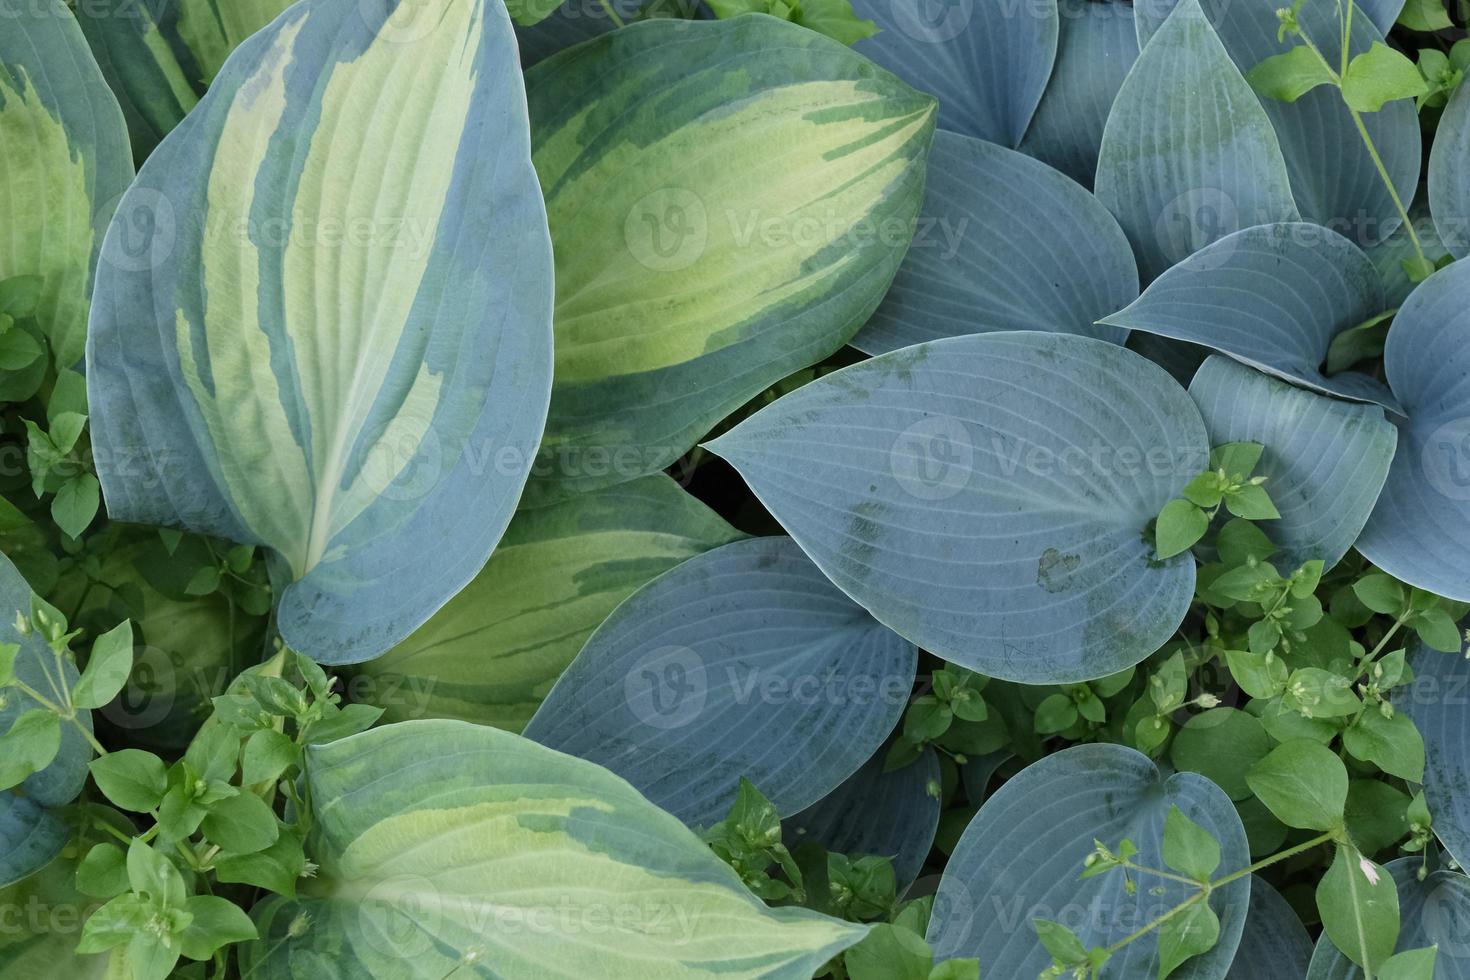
612	14
1159	873
1144	930
1290	852
1372	655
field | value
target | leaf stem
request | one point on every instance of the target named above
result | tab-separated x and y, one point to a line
612	14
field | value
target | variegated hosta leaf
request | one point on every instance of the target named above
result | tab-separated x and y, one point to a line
30	833
1437	702
1449	174
988	213
1325	460
1420	528
987	62
1097	46
63	162
1274	944
1188	155
211	29
448	848
729	202
139	61
876	812
744	661
1021	856
1273	297
1432	912
1333	175
336	341
492	654
987	496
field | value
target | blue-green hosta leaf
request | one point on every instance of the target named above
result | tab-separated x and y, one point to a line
1439	703
989	212
877	812
987	496
1420	529
451	848
30	835
1151	14
1433	912
1449	174
988	63
336	342
1325	459
492	654
1274	944
141	65
744	661
1097	46
1021	856
729	202
1333	176
63	162
1273	297
1188	155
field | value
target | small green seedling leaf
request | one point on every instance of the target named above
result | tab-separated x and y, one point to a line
1303	783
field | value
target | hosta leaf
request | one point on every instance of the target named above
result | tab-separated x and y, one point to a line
1420	529
1022	854
1097	45
1432	912
1188	155
875	812
1436	702
987	497
1274	944
1333	176
987	63
716	220
211	29
30	835
570	24
365	405
988	212
744	661
141	65
1388	254
1449	174
1324	463
66	161
492	654
1273	297
440	839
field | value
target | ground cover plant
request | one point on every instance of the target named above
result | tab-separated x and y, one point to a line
755	488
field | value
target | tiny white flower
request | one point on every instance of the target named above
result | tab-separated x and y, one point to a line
1369	869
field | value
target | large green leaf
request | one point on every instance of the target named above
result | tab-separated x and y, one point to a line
987	496
336	342
1434	912
448	848
63	162
729	202
492	654
1188	155
136	52
1021	856
31	833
